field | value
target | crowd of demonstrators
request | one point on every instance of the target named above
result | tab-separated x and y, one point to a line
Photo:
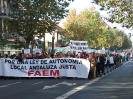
98	62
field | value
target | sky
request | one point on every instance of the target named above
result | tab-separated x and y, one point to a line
80	5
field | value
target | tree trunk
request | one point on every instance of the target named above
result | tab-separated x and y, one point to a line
27	44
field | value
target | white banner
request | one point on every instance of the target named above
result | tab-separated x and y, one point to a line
91	50
78	46
60	49
101	51
69	67
36	50
26	51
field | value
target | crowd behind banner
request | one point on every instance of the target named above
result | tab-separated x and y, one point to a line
100	64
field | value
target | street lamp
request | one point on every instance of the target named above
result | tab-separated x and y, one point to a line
53	37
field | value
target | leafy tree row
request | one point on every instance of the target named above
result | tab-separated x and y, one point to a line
87	25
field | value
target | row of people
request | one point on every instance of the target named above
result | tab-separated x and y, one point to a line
98	62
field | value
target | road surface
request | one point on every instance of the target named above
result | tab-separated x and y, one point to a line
116	85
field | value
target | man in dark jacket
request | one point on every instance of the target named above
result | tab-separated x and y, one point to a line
100	64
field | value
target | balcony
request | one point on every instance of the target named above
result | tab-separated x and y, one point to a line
4	11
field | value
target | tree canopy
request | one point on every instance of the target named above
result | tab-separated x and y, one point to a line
38	17
89	26
120	11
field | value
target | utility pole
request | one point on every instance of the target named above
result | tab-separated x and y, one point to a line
53	37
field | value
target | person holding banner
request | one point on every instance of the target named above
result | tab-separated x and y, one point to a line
92	73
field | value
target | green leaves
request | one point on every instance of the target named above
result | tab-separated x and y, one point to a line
88	26
120	11
38	17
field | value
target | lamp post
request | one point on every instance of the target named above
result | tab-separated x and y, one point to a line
53	37
44	43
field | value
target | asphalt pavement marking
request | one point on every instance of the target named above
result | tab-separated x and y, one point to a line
37	83
57	85
77	89
9	84
83	86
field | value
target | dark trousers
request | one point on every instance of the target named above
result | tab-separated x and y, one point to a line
100	68
91	74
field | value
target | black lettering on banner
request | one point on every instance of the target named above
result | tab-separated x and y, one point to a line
33	61
77	43
58	60
6	61
66	66
52	61
43	67
37	61
18	62
43	61
18	67
26	61
74	61
78	48
10	61
84	48
61	60
70	61
13	61
83	44
65	60
23	62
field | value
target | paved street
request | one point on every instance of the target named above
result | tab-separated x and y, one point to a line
115	85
